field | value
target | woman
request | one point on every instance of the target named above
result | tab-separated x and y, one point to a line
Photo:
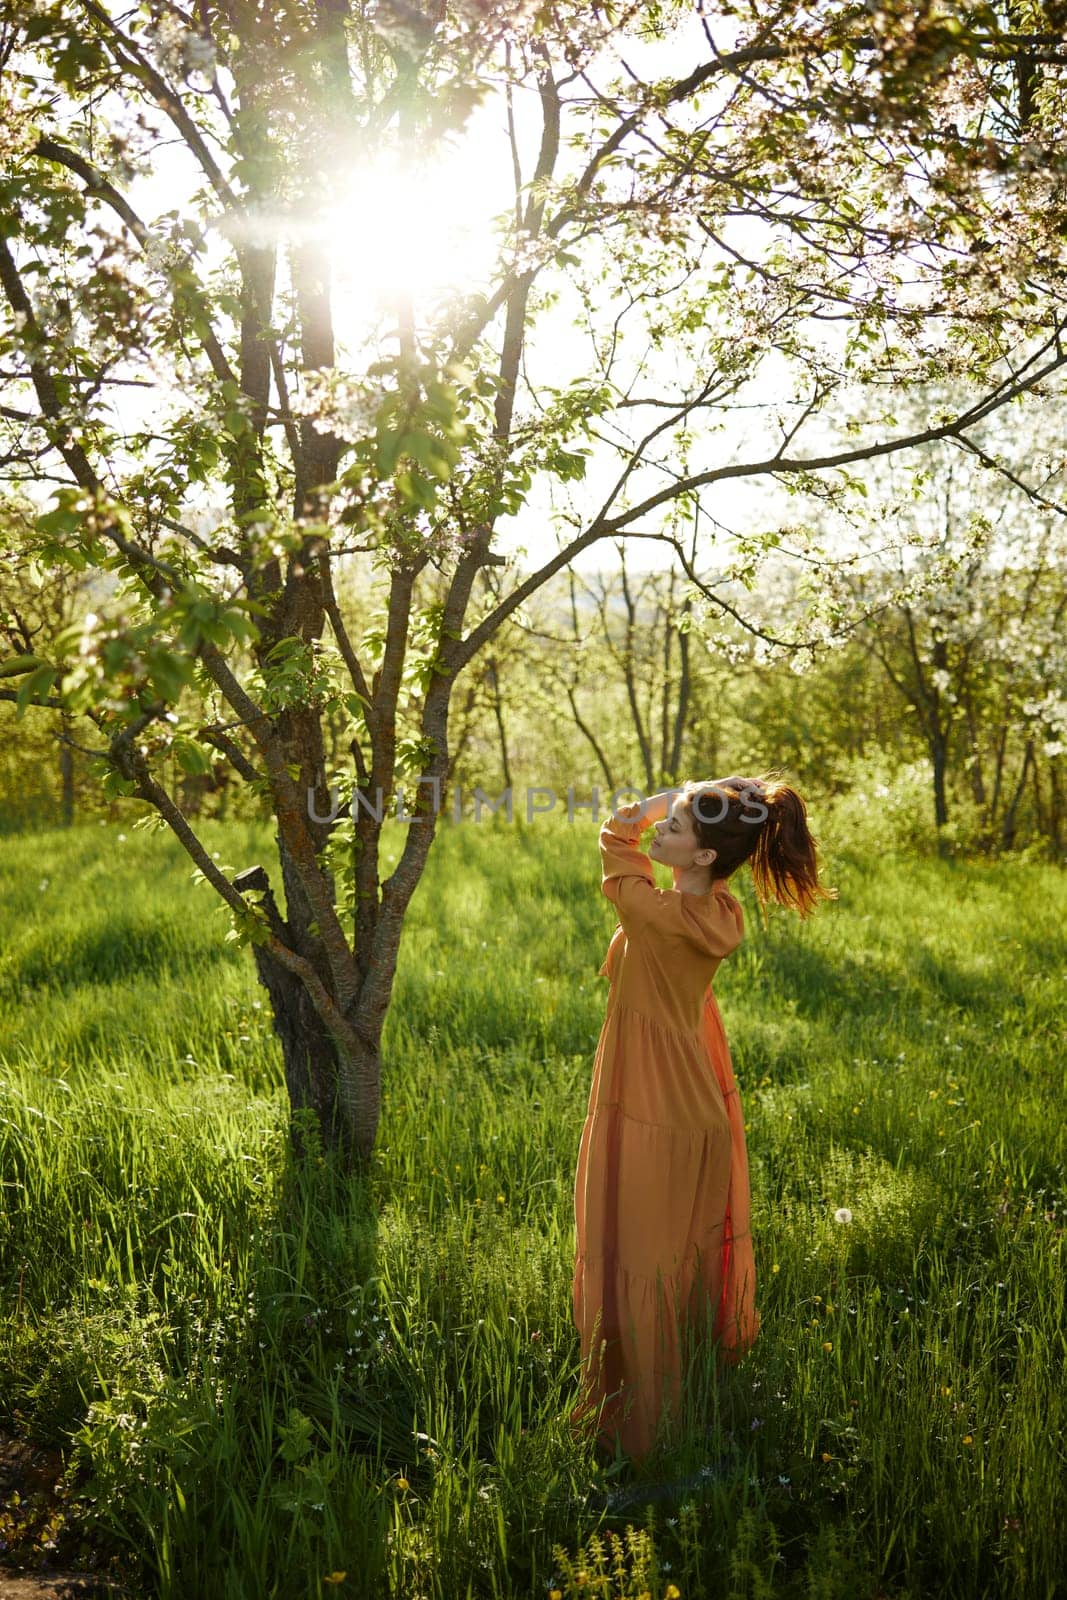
661	1192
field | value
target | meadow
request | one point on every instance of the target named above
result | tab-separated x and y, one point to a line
268	1380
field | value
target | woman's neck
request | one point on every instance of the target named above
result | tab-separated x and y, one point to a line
693	880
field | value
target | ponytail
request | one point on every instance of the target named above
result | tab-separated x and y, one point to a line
784	862
780	845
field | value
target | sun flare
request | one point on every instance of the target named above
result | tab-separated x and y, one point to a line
401	231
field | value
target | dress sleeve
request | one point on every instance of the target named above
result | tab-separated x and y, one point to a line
626	873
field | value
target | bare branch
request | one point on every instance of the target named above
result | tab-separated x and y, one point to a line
843	458
344	643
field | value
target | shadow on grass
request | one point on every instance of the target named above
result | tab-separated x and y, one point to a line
110	952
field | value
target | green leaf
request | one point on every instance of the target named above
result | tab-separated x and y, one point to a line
67	517
295	1436
191	756
355	702
115	784
15	666
38	683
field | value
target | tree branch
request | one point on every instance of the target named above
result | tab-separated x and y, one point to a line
130	55
842	458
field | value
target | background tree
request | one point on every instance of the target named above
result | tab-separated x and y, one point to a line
43	778
961	584
647	642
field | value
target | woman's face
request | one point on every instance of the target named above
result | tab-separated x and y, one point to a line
674	840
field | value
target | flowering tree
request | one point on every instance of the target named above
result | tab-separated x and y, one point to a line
965	611
832	198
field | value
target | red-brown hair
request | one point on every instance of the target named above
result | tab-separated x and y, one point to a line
779	844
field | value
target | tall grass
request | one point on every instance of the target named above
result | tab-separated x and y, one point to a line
267	1377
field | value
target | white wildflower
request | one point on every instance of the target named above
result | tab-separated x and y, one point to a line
842	1214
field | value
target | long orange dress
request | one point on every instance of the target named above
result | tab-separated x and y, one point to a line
661	1193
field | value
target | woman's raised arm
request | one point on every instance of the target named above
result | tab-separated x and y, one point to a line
654	809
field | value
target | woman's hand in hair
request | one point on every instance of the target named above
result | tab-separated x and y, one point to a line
740	784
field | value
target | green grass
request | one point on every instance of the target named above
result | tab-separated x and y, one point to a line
246	1363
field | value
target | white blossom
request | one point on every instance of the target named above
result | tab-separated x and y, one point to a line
162	254
336	403
199	54
180	50
86	643
527	255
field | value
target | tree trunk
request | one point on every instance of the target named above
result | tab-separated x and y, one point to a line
977	777
498	713
66	775
314	1065
682	707
1055	807
630	676
665	688
308	1053
939	757
1007	832
588	733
